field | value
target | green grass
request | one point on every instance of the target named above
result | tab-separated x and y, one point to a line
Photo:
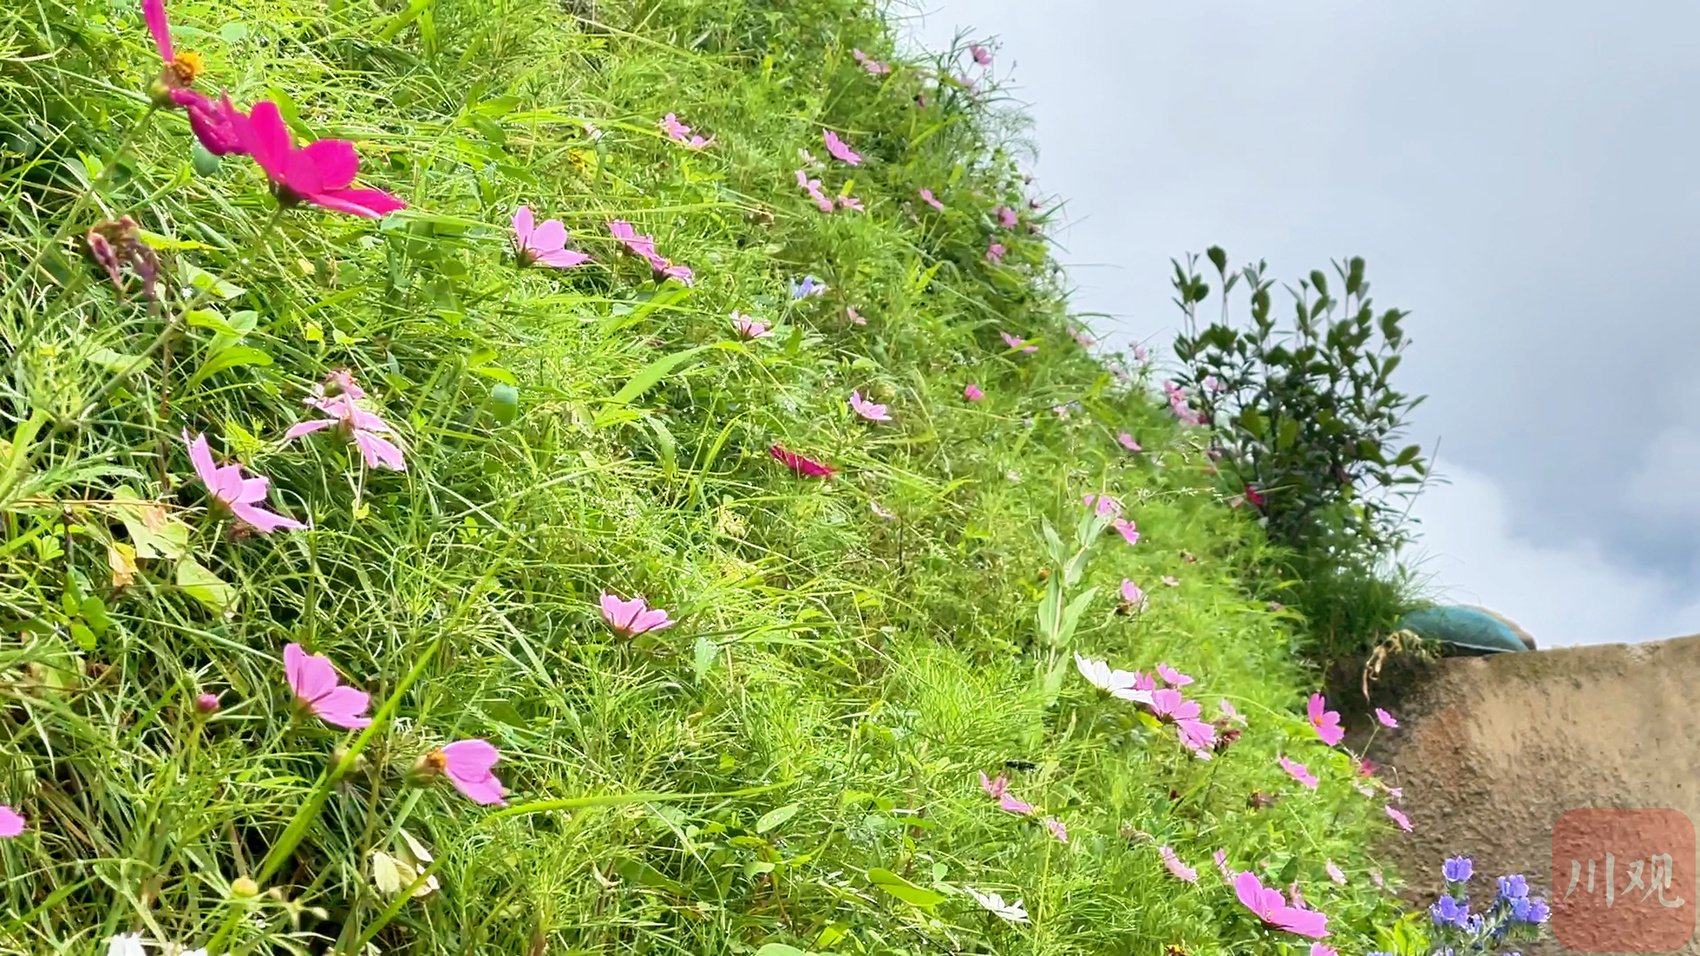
818	717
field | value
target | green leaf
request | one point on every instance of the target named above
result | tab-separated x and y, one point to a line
777	816
1071	614
903	889
647	378
153	530
781	949
235	356
206	587
703	657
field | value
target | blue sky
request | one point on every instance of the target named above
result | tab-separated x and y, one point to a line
1518	175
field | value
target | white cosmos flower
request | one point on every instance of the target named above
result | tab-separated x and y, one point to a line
1116	683
994	904
125	944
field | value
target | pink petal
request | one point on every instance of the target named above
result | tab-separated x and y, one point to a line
310	676
308	427
153	12
11	822
524	223
370	203
267	140
993	788
343	707
1250	891
252	490
378	451
333	161
469	758
1386	719
201	457
1057	829
1010	803
549	237
653	619
562	258
264	521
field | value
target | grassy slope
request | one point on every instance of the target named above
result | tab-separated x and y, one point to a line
871	668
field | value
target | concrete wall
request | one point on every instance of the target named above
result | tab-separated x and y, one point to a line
1493	749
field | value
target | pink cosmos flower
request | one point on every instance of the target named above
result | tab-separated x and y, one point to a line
1106	506
1007	802
218	124
1171	581
869	410
1323	949
854	316
807	467
1007	217
995	253
228	488
1399	818
1168	706
1252	496
364	428
748	328
1213	384
1221	858
1271	907
1172	677
544	244
644	248
153	14
11	822
840	149
680	133
1180	870
1326	722
207	703
972	392
180	69
981	55
1386	719
870	64
1335	873
1230	712
1082	339
319	173
1139	352
1127	529
1126	441
851	203
1298	771
931	200
314	681
633	617
1017	344
1132	594
1057	829
1367	767
813	188
467	764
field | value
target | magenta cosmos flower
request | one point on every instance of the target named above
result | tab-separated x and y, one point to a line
180	69
1106	506
1057	829
801	464
931	200
366	429
1132	594
1007	802
1168	706
314	681
1172	677
980	54
854	316
748	328
1396	816
229	489
1007	217
869	410
544	244
995	253
840	149
851	203
11	822
319	173
1017	344
1126	441
1298	771
1268	905
634	617
972	392
1323	949
218	124
870	64
1325	721
1180	870
644	248
467	764
1386	719
813	187
1127	529
680	133
1335	873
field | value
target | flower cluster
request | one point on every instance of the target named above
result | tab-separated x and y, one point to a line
1511	916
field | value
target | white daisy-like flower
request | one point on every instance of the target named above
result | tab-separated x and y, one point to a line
993	903
1116	683
125	944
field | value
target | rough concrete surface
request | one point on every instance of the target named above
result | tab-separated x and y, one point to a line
1493	749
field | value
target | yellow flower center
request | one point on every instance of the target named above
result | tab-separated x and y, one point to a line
436	760
186	67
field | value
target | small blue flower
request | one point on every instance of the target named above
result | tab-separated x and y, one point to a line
807	287
1513	887
1457	869
1530	910
1449	912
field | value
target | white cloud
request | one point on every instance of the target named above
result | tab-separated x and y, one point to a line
1560	594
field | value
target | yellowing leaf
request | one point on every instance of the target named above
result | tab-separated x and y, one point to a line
121	558
154	531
